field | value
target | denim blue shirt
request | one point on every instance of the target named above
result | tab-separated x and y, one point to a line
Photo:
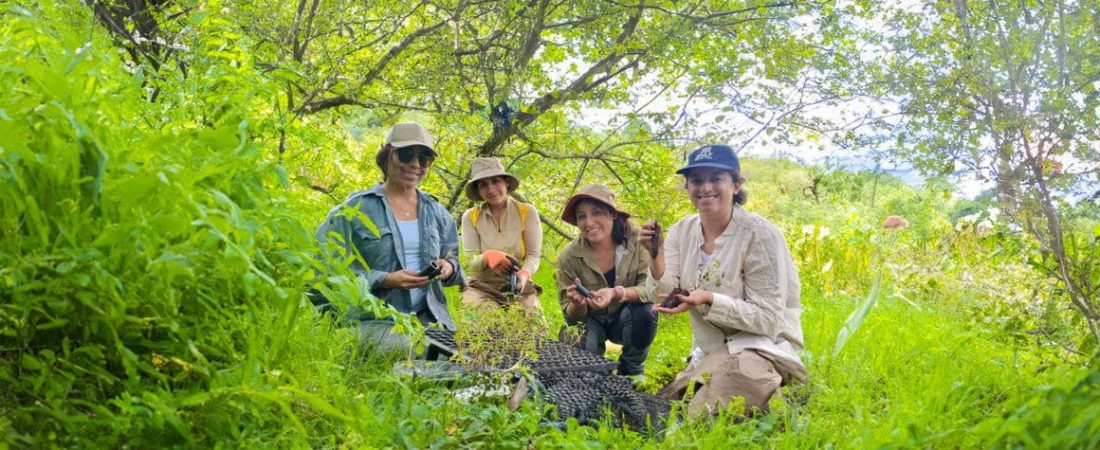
382	250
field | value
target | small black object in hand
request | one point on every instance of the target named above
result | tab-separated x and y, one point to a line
433	270
511	285
584	291
671	301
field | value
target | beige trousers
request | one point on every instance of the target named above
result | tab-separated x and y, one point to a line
473	297
721	376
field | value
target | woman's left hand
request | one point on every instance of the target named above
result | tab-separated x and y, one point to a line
601	299
696	297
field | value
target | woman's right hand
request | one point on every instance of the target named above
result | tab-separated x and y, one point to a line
498	261
575	297
649	237
404	279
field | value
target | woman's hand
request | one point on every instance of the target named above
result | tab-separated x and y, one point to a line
601	299
650	237
407	279
574	296
524	278
694	298
446	269
498	261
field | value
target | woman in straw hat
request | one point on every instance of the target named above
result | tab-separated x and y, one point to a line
742	290
504	239
607	261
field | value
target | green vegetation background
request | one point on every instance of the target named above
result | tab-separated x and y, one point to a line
154	257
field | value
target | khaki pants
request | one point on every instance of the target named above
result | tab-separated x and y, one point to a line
747	374
473	297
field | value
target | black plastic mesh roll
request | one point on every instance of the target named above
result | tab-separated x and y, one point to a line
587	396
580	384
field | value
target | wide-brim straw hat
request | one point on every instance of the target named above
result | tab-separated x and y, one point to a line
597	192
488	168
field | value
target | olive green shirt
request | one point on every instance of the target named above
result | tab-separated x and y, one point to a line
631	270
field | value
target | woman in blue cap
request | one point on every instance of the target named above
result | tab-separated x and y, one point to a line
739	285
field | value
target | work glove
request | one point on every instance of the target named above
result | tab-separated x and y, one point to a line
497	260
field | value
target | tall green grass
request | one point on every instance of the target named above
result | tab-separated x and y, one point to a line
154	257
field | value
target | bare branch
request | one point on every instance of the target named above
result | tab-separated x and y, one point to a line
331	102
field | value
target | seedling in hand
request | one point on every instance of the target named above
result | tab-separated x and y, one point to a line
656	243
671	301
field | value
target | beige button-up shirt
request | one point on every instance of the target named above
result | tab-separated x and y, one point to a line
631	270
524	241
755	285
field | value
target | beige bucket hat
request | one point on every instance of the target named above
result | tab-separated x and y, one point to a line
487	168
597	192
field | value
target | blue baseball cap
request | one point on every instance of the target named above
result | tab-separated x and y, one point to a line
714	156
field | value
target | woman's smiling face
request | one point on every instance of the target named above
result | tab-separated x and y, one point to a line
711	190
493	190
594	220
410	173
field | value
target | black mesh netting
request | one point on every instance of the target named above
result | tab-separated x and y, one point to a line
588	396
580	384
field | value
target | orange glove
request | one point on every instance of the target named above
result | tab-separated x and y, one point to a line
496	259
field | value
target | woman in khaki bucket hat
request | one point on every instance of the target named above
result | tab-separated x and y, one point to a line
503	237
607	260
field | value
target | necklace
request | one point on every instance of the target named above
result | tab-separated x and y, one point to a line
401	207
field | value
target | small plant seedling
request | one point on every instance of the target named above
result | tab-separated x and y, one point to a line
671	301
657	240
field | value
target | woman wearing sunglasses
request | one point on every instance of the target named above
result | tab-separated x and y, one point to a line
410	248
504	239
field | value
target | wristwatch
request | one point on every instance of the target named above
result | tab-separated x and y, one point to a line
620	293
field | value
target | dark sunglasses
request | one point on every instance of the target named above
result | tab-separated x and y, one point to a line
425	156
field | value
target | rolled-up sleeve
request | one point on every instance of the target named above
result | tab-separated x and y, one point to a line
471	244
640	268
532	241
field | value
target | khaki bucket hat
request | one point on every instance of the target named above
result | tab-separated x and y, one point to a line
487	168
597	192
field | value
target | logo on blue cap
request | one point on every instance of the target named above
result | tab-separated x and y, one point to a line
704	153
